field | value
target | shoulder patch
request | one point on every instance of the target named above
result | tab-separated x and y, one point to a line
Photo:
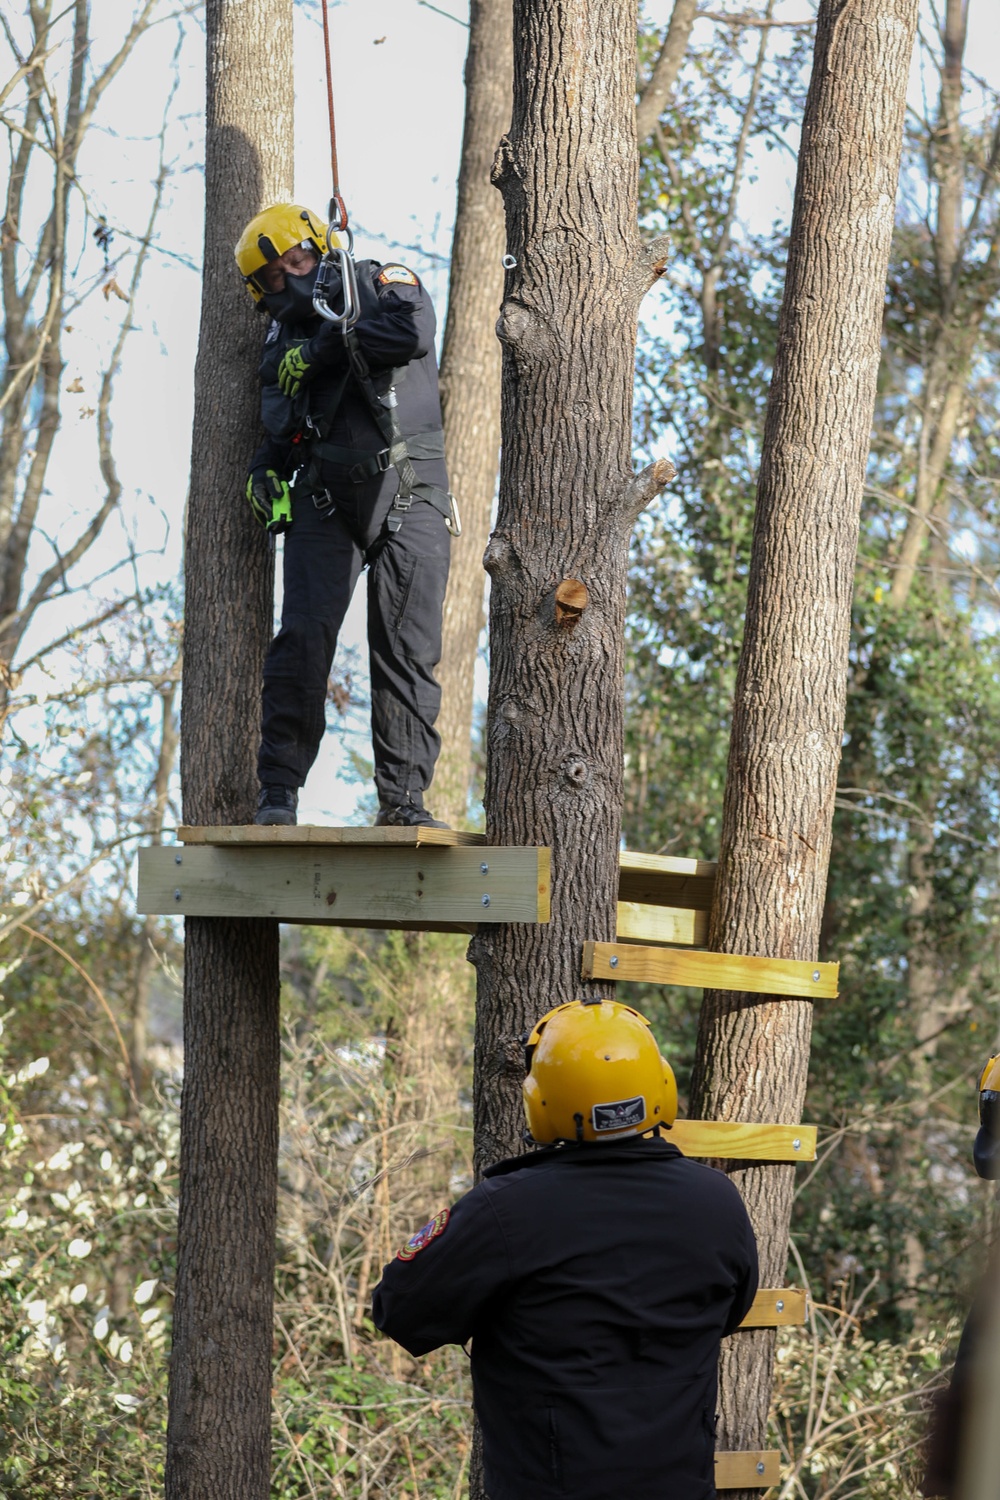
396	276
423	1237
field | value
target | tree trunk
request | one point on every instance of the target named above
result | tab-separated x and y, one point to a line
568	502
470	388
218	1438
788	714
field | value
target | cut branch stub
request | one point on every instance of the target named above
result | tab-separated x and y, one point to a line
572	598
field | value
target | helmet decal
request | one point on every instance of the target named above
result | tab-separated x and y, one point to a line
626	1114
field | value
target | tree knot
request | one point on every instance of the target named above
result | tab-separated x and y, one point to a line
572	598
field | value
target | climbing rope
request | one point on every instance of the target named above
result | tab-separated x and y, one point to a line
338	209
338	256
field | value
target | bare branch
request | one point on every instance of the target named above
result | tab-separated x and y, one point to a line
75	633
656	95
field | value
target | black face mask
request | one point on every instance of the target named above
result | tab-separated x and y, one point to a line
293	304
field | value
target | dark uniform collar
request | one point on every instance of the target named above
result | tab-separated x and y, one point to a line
631	1148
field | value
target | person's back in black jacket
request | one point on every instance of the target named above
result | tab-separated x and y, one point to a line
595	1282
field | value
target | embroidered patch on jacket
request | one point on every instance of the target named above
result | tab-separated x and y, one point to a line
273	329
396	276
423	1237
624	1114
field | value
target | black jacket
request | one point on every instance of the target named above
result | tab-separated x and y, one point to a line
595	1283
395	331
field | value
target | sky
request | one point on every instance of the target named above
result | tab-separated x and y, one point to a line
398	75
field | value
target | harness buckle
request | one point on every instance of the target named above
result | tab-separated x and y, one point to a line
323	502
369	468
401	506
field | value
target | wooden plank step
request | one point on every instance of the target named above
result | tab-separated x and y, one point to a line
717	971
663	880
776	1307
735	1140
749	1470
639	923
347	886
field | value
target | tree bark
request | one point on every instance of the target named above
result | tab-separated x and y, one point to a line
568	502
788	714
218	1437
470	388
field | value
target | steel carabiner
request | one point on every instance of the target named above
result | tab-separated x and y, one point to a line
341	256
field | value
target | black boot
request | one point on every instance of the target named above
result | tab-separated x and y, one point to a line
406	815
277	805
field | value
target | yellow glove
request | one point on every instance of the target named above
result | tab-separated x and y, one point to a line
270	500
293	370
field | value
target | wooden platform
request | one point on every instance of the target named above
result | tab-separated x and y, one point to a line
314	833
371	882
663	899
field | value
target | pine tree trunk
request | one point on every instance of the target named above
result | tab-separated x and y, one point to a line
788	715
470	389
568	502
218	1438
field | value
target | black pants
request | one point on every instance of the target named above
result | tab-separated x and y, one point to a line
324	556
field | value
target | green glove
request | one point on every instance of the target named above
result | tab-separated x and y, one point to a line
270	500
293	370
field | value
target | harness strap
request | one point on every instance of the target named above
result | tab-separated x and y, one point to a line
361	464
386	417
398	453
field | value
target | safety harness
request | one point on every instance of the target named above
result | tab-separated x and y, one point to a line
357	466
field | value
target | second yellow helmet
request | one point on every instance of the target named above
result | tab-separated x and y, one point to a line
595	1073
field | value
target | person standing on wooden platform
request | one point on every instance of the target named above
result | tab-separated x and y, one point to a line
595	1277
352	472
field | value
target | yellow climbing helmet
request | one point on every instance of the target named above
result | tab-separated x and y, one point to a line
595	1073
986	1150
271	233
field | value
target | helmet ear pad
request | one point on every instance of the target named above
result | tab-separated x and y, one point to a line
986	1155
